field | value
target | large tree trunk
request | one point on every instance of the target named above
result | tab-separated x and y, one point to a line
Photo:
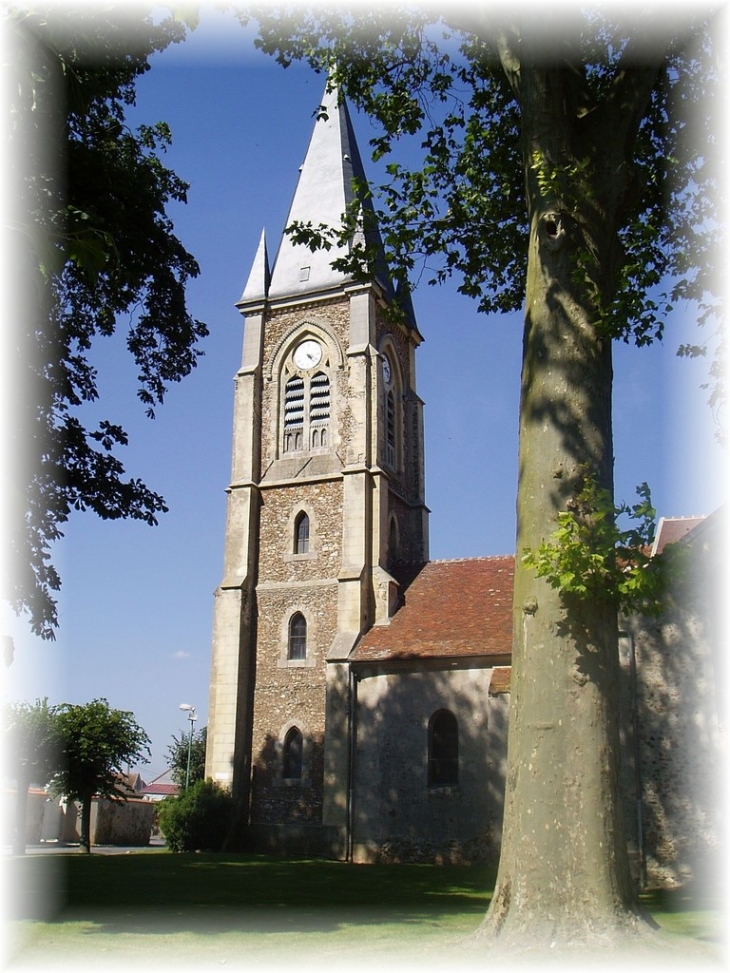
564	867
563	875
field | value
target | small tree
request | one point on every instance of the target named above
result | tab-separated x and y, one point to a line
197	820
177	757
97	743
32	753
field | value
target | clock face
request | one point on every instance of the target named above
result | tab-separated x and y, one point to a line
308	354
386	369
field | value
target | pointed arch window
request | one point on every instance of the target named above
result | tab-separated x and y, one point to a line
292	754
297	637
443	750
301	534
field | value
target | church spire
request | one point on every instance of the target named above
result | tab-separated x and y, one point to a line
324	191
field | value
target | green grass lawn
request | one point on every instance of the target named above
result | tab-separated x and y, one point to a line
246	910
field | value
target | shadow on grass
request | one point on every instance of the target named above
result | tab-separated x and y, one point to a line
690	911
201	911
151	893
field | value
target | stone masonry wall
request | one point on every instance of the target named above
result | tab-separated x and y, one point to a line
397	815
292	693
322	503
678	765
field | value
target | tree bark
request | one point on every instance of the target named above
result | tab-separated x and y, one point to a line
85	840
563	877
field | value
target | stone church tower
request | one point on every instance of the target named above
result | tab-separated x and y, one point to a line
325	506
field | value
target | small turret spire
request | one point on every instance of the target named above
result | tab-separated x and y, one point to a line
257	285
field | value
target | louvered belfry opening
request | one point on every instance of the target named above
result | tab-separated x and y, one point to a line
319	409
306	412
294	414
390	429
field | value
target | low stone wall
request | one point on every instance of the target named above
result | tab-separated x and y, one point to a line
112	822
122	822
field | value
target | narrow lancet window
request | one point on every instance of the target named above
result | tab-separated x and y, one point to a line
443	750
293	746
297	637
301	534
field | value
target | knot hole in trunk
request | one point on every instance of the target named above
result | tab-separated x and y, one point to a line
553	230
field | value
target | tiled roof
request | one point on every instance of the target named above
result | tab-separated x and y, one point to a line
672	529
170	789
162	784
501	681
451	609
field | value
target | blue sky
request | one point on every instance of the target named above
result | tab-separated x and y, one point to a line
136	603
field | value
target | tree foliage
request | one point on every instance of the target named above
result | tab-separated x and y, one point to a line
451	81
91	248
32	754
98	744
31	745
592	555
177	756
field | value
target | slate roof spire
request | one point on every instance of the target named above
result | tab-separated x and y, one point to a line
323	192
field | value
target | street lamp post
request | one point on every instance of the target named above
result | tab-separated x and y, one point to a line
190	710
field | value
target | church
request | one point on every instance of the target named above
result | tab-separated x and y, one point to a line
359	692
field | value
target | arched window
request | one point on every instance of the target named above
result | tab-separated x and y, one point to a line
443	750
301	534
292	755
297	637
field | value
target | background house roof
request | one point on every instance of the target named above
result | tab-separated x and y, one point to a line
451	609
671	529
162	786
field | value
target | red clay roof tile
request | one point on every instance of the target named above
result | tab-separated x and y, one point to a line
500	681
451	609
